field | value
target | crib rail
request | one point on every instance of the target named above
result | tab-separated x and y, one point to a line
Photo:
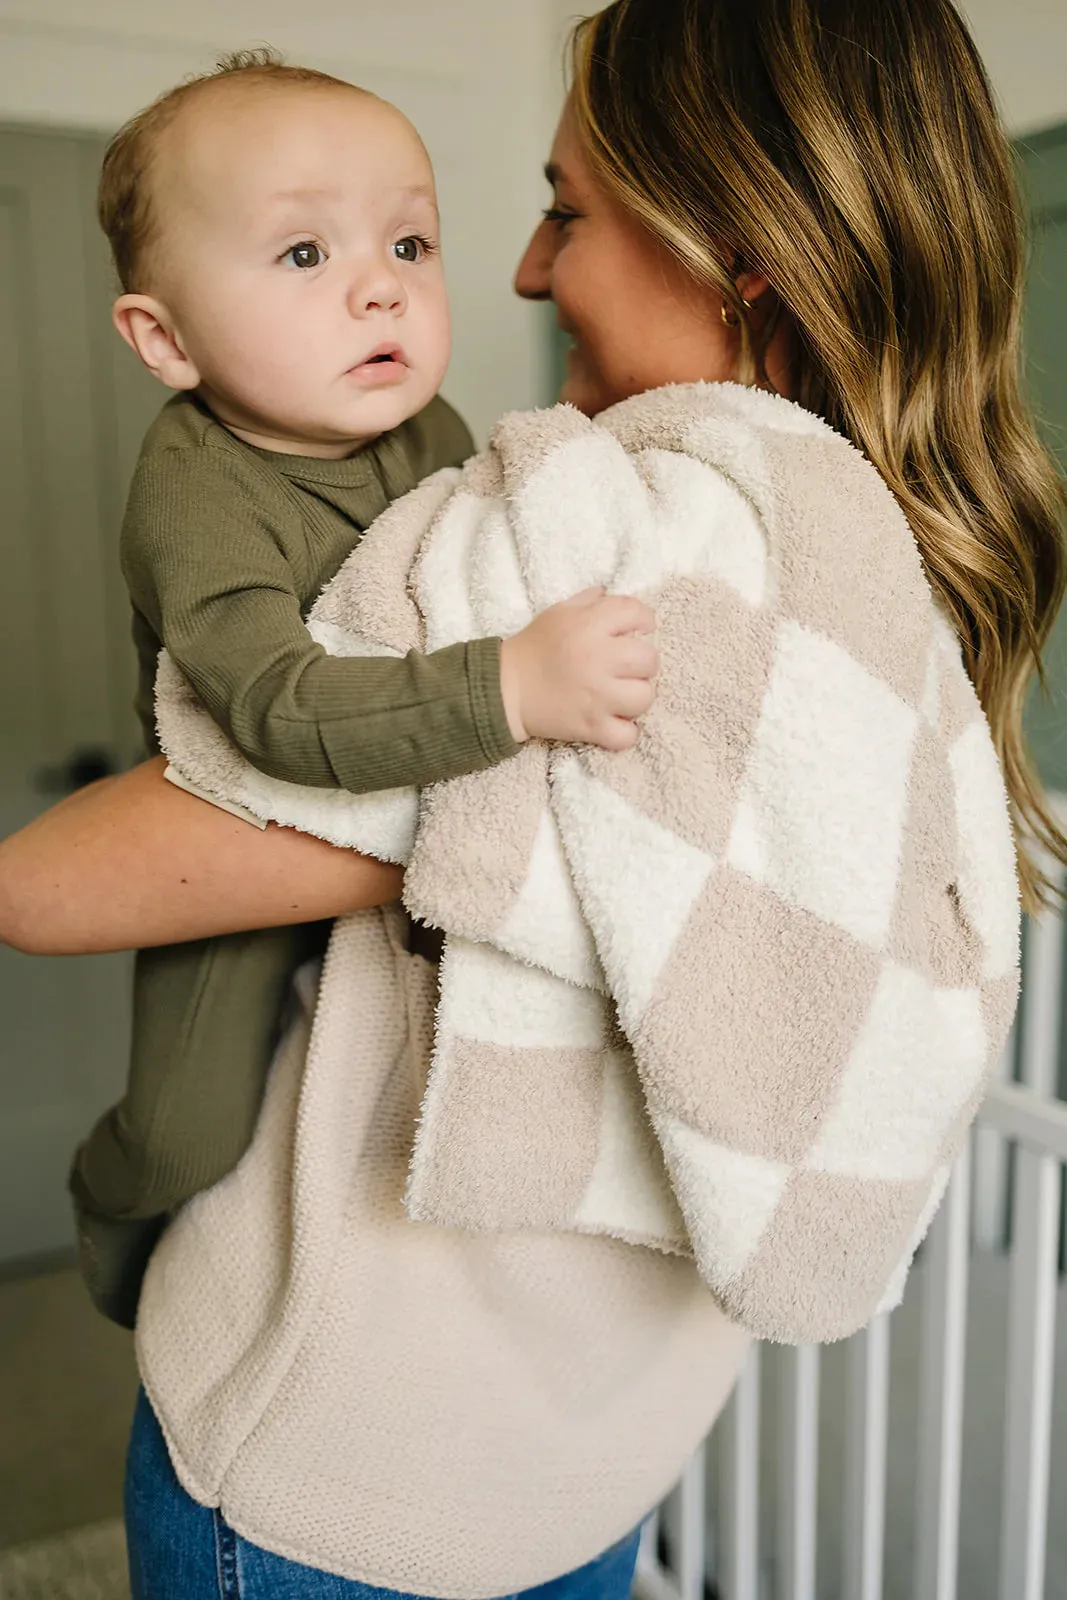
744	1522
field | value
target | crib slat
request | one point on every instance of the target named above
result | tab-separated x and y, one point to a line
1031	1355
944	1336
740	1474
649	1540
651	1582
1035	1244
991	1171
1020	1115
799	1475
1040	1022
693	1559
865	1462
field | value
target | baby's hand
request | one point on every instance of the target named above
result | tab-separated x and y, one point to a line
577	674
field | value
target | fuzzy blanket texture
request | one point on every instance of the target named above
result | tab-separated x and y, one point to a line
735	993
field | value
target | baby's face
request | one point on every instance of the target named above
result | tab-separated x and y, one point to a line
299	254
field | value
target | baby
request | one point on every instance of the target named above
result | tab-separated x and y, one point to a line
276	235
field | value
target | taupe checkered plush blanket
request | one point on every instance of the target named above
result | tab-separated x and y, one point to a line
736	992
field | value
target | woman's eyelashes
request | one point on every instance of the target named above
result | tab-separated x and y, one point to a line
559	215
308	253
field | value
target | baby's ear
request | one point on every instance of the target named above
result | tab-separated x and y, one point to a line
147	327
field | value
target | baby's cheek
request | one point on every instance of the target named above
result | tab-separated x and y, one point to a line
435	340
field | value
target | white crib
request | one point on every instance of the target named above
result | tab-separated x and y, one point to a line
918	1460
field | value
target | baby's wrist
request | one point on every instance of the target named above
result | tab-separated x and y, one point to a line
511	691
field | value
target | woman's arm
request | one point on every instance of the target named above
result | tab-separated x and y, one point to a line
134	861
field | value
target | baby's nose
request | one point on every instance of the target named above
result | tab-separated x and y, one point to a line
381	291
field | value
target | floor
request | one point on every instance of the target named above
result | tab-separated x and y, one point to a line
85	1564
67	1387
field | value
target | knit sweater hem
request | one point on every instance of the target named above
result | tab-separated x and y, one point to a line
499	1409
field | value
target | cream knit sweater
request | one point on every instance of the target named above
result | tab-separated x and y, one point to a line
439	1412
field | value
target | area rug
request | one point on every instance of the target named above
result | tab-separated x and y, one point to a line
82	1564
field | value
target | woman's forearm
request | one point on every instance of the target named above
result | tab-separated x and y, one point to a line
134	861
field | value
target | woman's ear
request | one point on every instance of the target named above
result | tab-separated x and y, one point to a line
147	327
751	285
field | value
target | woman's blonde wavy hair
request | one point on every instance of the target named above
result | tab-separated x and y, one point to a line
851	151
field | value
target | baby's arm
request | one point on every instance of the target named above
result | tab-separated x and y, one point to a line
210	570
212	578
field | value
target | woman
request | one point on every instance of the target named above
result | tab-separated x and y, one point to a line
809	195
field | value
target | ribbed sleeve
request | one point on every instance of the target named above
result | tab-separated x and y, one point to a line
216	565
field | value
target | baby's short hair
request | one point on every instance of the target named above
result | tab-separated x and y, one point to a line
125	206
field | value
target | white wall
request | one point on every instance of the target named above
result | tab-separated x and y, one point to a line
471	73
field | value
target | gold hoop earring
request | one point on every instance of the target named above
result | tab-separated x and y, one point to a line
729	315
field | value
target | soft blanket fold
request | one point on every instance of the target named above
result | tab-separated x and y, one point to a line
735	993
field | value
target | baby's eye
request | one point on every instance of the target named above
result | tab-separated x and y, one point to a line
412	249
305	255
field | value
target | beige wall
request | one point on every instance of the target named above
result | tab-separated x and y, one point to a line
1024	43
471	73
481	78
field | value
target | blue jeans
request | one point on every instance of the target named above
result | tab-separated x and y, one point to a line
180	1550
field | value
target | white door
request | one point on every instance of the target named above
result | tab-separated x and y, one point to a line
72	406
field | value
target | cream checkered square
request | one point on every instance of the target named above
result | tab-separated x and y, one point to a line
705	530
489	997
447	566
620	857
730	1197
822	807
919	1052
545	923
628	1194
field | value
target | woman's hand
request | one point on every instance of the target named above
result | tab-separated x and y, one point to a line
133	861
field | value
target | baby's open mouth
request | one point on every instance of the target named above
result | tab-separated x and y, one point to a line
385	355
385	365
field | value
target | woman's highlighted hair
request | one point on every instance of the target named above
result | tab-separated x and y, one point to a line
851	150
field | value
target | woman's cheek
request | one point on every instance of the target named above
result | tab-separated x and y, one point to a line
572	288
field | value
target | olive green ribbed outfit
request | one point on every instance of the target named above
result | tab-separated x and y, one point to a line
224	549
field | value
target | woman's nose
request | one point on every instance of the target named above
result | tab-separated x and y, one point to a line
533	277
